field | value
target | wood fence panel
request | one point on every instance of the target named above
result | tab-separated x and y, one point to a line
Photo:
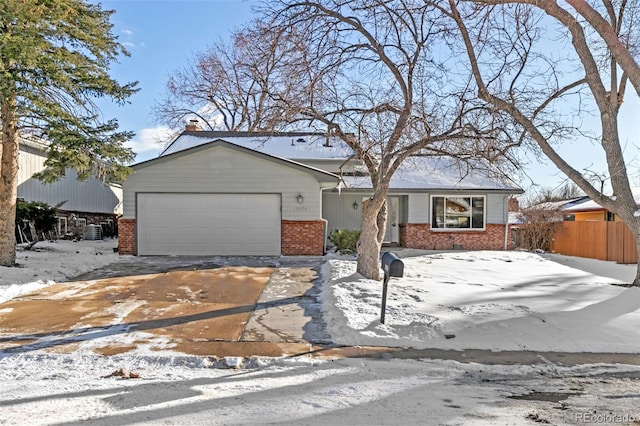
591	240
630	249
615	235
596	240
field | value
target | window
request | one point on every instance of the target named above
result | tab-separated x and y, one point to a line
81	223
455	212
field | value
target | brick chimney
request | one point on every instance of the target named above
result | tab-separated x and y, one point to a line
192	126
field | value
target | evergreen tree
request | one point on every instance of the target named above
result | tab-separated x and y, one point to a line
55	57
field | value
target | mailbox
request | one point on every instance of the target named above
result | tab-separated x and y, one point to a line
392	265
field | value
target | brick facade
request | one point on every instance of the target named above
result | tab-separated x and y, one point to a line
127	236
302	237
75	229
420	236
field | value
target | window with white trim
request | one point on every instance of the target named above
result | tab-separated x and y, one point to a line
457	212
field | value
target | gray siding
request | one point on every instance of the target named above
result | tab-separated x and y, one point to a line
92	195
418	208
338	210
223	170
497	205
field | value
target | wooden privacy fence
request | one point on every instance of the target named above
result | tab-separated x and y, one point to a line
595	240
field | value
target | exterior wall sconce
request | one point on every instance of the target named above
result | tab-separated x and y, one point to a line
300	198
355	205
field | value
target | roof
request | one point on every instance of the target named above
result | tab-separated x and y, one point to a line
33	142
441	173
416	173
291	145
590	205
558	205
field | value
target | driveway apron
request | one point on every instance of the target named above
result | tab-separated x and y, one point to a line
185	307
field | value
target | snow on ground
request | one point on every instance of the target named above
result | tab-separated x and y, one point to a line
54	261
493	300
484	300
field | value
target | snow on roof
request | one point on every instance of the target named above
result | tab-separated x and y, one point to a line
34	142
415	172
589	205
294	146
441	173
557	205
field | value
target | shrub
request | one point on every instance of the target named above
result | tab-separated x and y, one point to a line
345	240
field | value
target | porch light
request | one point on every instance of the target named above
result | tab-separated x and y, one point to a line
355	205
300	198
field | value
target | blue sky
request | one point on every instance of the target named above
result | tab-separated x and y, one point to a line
163	35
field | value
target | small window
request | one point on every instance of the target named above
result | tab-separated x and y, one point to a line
456	212
81	223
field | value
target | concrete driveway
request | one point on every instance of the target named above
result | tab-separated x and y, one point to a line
198	306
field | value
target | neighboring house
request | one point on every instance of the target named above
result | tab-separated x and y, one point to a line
589	230
238	193
83	203
588	210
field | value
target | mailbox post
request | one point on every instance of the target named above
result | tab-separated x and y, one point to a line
392	267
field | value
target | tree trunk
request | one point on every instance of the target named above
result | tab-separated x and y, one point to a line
371	237
8	180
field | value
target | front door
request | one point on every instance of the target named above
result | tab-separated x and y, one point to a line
393	217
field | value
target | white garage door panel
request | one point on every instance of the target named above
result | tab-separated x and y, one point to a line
209	224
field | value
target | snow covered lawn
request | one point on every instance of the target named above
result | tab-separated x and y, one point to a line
54	261
485	300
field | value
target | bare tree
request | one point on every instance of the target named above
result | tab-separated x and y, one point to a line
376	74
535	58
542	216
227	86
538	226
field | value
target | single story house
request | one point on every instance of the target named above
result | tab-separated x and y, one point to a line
240	193
83	203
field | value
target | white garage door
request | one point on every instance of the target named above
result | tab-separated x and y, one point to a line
208	224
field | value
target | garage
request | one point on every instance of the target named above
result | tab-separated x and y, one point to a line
208	224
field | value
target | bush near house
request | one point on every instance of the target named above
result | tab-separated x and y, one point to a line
345	240
540	223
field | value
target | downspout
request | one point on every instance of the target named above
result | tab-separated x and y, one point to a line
506	221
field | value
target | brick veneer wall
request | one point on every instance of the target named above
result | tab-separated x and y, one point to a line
419	235
91	219
127	236
302	237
